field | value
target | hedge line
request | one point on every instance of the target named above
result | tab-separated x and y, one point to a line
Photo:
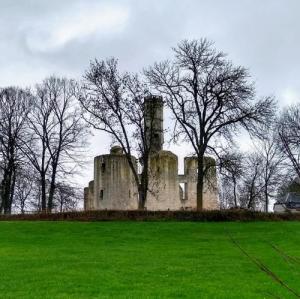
139	215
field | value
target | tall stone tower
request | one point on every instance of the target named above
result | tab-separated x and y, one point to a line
153	113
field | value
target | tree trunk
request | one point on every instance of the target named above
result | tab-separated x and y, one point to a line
44	197
143	188
23	206
6	188
266	199
142	196
142	182
200	183
3	183
251	200
12	190
52	188
234	195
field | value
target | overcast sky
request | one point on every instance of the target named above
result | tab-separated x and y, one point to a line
39	38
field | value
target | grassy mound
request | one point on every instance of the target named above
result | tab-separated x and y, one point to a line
149	260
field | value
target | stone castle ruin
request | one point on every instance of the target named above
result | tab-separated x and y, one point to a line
114	187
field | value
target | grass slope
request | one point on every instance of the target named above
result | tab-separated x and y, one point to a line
148	259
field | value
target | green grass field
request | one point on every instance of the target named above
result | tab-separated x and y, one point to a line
149	260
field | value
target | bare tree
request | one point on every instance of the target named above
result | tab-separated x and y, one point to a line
114	103
288	130
66	197
35	141
25	188
55	139
253	179
271	163
65	143
231	171
209	97
251	189
15	104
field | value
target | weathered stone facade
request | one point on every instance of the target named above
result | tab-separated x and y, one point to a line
163	182
114	188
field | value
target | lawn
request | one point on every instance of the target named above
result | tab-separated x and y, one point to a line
149	260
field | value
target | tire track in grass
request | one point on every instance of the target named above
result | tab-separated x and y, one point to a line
272	295
262	266
288	258
291	260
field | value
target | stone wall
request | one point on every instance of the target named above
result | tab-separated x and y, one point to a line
91	205
164	187
86	199
189	179
114	185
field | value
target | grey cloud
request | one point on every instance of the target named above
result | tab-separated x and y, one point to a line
262	35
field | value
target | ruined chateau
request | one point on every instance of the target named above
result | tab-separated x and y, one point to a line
114	188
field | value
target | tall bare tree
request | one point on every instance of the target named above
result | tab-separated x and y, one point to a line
209	97
65	142
114	103
35	141
56	134
15	105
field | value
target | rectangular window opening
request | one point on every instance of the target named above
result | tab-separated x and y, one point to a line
182	191
103	167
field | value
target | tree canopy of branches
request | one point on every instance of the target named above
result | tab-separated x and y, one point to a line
114	103
15	105
209	97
